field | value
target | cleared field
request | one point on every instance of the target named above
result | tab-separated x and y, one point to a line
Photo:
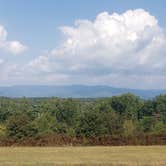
122	155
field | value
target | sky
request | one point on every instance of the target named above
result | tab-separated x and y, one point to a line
90	42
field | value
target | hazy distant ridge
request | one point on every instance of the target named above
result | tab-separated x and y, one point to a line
76	91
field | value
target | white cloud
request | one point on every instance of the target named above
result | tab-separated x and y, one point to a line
14	47
116	49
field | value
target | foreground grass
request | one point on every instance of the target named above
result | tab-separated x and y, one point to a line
122	155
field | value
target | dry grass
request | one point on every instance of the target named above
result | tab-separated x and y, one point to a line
126	155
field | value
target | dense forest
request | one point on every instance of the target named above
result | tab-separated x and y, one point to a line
121	116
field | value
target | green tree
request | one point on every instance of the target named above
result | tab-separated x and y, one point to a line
112	122
90	123
67	112
127	105
147	123
45	124
19	126
159	128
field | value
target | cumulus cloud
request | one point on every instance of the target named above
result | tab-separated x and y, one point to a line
115	49
14	47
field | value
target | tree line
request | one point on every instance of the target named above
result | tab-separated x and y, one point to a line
124	115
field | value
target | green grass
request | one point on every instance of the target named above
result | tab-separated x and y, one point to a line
121	155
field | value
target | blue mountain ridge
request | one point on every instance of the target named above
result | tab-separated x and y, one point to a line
74	91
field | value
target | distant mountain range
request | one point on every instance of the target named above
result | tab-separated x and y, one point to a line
75	91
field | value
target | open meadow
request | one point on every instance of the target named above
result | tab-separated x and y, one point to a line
120	155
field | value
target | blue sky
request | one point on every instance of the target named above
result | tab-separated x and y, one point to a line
35	25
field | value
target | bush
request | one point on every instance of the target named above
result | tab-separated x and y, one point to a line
2	131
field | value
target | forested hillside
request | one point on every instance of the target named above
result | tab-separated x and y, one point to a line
119	116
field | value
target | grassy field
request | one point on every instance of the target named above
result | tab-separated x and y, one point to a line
126	155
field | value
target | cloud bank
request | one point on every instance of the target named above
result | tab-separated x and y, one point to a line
122	50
